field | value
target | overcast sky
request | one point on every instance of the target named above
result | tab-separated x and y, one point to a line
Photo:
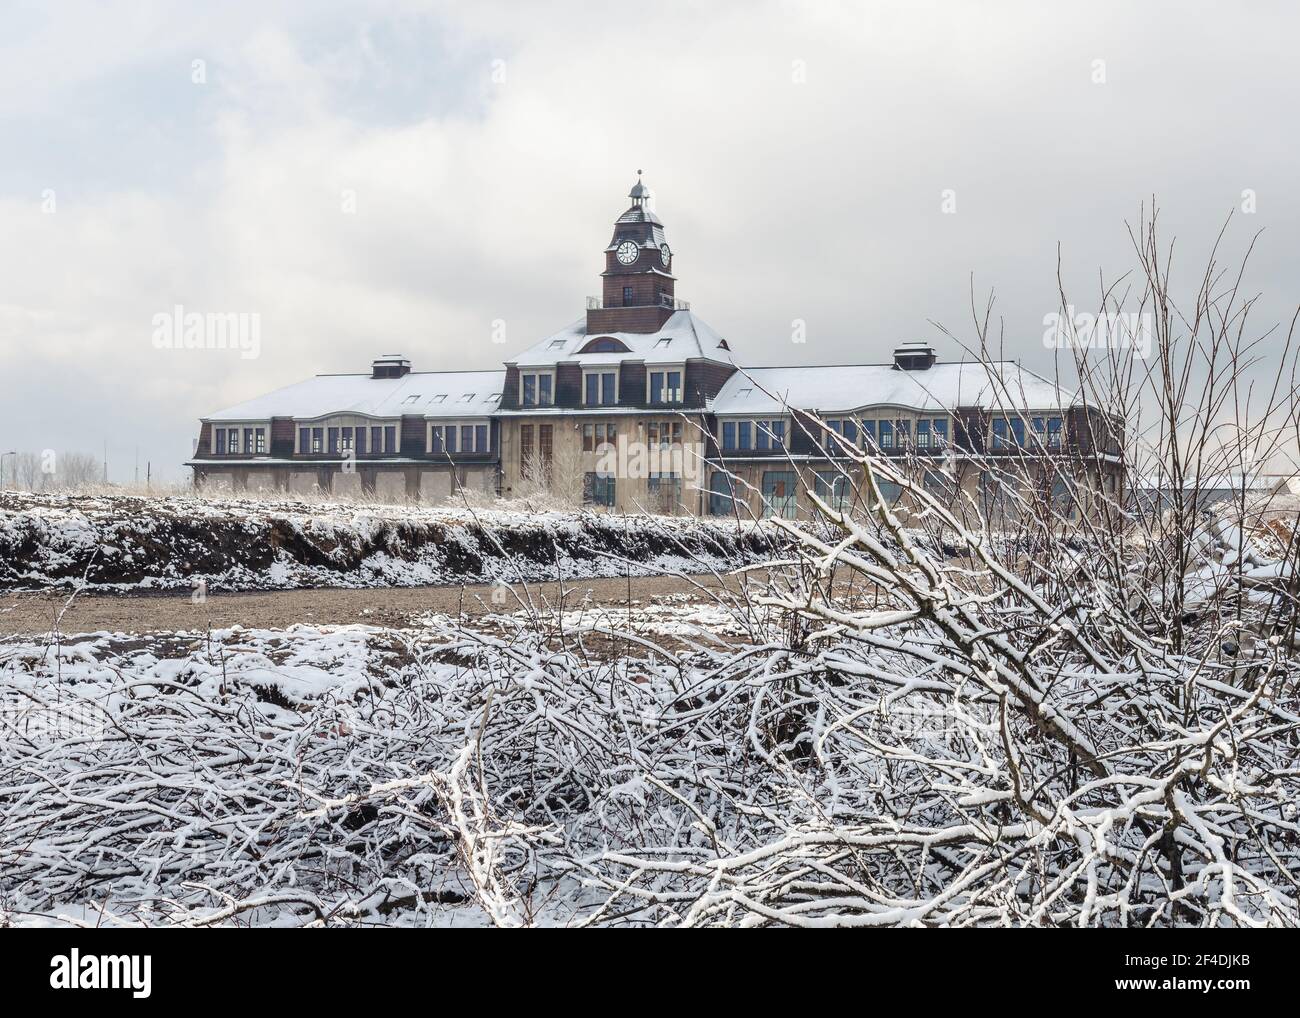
372	178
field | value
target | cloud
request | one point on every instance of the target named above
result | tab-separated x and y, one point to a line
402	180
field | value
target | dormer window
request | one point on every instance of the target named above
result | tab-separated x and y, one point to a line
600	388
537	388
665	387
605	344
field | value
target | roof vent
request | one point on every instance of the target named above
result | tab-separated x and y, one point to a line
390	365
914	356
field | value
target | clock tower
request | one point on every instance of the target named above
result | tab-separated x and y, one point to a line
637	284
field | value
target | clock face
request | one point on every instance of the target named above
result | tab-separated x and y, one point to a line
627	252
664	254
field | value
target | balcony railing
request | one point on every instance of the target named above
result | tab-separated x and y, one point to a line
666	300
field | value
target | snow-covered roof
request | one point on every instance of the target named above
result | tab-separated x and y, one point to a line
452	394
683	336
848	387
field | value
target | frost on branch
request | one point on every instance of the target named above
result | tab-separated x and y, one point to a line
1073	710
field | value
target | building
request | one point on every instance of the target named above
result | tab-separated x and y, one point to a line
641	405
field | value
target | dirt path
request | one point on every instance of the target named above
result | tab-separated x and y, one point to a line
34	613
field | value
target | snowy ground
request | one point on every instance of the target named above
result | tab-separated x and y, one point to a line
130	543
790	752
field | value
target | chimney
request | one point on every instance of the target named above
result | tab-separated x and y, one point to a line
390	365
914	356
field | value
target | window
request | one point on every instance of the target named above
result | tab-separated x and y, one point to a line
665	387
304	440
481	441
1053	432
902	434
869	434
663	433
829	440
544	446
557	344
525	444
842	426
596	436
601	388
468	397
598	489
833	488
662	344
605	344
449	438
722	494
439	398
886	435
889	491
317	440
664	491
536	388
923	434
221	441
999	434
390	439
376	439
777	430
346	445
1018	432
411	399
939	433
940	484
361	441
762	436
334	441
1062	499
628	299
779	493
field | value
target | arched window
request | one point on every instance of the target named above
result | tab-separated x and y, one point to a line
604	344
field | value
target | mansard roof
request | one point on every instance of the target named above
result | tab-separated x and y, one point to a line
844	388
683	336
446	394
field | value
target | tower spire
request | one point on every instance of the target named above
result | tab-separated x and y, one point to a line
639	192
